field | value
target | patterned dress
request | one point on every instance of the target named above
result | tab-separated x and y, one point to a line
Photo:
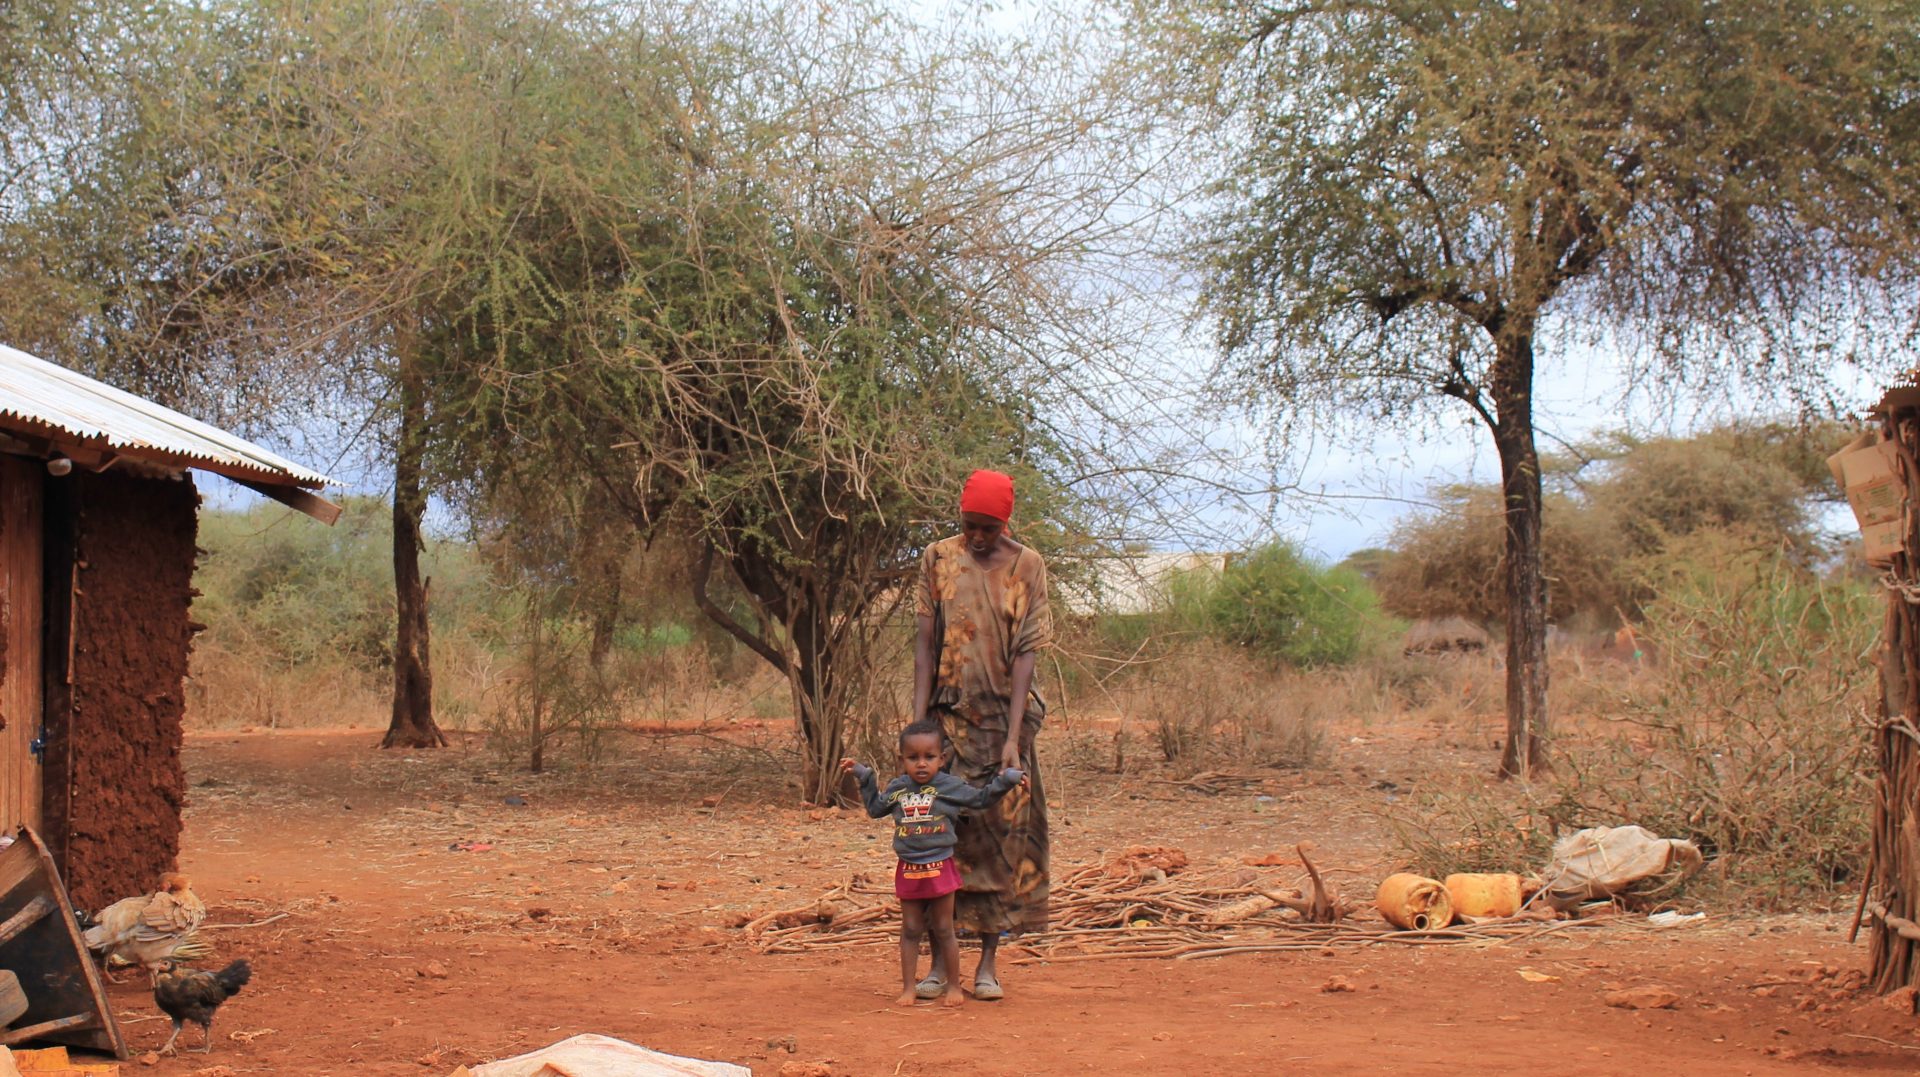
983	620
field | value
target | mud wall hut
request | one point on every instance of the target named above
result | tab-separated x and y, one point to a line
98	516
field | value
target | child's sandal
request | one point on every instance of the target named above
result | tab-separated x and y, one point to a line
931	987
987	989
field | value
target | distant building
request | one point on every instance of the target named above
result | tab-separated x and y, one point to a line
1131	583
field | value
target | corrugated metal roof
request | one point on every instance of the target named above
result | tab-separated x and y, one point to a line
51	397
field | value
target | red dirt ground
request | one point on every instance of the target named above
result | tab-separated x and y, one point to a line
598	909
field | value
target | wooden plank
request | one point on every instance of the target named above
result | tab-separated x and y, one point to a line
60	578
295	498
46	1028
14	871
35	910
21	480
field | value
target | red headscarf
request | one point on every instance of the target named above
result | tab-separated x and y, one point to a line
988	493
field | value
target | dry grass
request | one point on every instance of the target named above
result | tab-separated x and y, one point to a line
1749	739
226	690
1199	705
681	689
1215	706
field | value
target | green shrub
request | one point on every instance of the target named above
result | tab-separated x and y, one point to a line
298	592
651	639
1278	603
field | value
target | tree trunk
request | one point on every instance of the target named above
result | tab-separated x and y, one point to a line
812	676
606	619
537	696
1511	390
822	725
412	725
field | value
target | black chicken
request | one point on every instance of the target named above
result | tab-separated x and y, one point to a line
190	995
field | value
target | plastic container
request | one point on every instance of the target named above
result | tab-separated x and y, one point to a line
1414	903
1492	894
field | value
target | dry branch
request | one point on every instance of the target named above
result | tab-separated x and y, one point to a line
1134	907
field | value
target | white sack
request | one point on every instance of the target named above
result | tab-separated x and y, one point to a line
603	1056
1596	863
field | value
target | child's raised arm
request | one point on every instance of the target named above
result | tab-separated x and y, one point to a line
876	804
959	792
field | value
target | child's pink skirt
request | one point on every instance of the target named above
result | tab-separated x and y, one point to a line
924	882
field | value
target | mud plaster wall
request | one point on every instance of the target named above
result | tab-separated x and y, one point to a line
134	552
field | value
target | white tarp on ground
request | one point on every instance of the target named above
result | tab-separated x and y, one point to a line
600	1056
1596	863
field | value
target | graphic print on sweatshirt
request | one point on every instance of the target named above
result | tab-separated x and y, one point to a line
917	817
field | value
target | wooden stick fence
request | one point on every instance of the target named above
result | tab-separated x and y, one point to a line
1891	899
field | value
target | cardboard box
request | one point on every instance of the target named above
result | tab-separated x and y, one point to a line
1869	470
53	1062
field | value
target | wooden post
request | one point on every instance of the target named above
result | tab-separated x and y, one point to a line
1894	865
60	576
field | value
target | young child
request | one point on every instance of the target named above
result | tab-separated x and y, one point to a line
924	803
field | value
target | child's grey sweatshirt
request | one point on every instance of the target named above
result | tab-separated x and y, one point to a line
923	815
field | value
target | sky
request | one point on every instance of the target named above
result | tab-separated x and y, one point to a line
1342	497
1348	497
1380	484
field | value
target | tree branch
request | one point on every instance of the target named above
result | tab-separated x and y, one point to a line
702	571
1461	387
1421	187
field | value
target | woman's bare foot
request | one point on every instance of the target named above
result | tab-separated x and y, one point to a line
907	998
953	997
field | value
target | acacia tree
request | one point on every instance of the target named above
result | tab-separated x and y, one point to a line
207	243
121	253
789	329
780	280
1416	189
311	193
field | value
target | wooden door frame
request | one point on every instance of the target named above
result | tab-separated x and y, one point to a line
23	488
59	511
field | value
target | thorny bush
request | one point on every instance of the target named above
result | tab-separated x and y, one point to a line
1751	741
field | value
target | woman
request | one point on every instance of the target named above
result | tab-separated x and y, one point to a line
983	618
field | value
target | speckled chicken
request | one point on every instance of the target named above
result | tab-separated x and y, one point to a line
145	930
191	995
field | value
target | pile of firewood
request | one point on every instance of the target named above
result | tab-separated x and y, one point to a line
1146	902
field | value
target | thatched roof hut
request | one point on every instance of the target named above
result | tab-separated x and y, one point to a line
1445	635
